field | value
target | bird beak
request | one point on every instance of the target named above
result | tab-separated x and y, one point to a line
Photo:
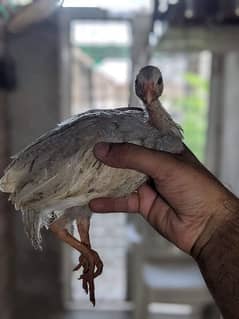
148	92
148	98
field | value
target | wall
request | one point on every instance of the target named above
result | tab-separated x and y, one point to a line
34	108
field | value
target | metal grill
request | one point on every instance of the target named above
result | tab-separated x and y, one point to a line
197	12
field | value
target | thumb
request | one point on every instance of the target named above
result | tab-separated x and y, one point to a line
150	162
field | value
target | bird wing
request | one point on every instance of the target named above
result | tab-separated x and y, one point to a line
48	164
60	166
70	124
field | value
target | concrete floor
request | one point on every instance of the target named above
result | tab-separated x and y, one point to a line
119	315
95	315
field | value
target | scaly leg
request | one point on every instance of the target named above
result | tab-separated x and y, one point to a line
83	226
93	260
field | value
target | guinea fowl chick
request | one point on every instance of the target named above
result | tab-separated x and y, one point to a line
59	170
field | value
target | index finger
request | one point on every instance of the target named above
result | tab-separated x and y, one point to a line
153	163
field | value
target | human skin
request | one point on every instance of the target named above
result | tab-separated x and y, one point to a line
188	206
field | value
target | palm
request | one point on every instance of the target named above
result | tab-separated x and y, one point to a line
178	225
180	204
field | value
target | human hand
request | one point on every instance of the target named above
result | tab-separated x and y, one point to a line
187	201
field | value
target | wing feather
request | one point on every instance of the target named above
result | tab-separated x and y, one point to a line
52	167
60	166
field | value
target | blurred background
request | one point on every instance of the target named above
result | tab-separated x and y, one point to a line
59	59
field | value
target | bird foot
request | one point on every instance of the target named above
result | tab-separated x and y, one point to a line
92	268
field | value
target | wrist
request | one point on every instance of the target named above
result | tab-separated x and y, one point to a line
226	214
216	253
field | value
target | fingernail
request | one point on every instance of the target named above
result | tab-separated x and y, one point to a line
101	149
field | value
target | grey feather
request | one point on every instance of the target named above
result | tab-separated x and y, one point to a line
59	171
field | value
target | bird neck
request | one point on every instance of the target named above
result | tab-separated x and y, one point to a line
160	119
158	116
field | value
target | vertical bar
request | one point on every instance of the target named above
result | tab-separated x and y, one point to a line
7	261
215	116
6	240
65	110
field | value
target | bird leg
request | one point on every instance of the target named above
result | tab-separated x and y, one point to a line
91	262
83	226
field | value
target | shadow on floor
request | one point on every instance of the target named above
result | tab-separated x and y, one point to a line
117	315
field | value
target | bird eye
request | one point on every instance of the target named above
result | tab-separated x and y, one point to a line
160	81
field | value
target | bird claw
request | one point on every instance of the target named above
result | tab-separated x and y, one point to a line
92	268
83	262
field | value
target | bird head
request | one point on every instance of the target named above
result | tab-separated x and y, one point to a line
149	84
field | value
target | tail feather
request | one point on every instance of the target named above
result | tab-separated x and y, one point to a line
32	226
31	219
2	184
34	222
